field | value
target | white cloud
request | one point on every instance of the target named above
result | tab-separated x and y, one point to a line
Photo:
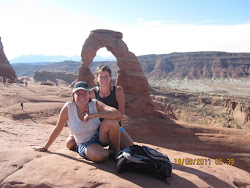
160	39
44	31
28	30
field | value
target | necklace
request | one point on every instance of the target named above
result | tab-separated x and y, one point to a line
83	113
104	94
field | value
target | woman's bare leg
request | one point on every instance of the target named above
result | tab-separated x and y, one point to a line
126	140
110	132
97	153
70	142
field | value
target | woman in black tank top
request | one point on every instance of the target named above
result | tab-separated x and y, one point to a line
112	96
109	100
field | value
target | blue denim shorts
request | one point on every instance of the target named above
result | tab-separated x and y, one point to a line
81	148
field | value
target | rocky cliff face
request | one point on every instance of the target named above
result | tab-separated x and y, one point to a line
196	65
192	65
54	76
200	108
6	69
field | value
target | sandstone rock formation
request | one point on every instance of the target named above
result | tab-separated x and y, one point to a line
21	167
164	104
196	65
46	83
6	69
130	74
200	108
54	76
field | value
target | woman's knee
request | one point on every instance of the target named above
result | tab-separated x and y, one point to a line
70	143
97	155
100	158
110	123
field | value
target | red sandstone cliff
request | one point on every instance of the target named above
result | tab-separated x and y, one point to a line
214	110
196	65
6	69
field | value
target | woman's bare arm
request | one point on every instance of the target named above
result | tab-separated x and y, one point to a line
120	98
63	117
106	112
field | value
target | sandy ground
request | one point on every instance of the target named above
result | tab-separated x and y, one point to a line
21	166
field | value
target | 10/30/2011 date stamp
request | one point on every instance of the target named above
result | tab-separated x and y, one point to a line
203	161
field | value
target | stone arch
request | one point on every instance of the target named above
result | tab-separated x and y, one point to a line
130	75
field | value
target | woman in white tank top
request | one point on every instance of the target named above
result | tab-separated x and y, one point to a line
83	116
111	96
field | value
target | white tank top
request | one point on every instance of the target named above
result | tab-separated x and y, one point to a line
82	132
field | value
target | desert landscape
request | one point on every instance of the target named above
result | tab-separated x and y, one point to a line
60	167
207	149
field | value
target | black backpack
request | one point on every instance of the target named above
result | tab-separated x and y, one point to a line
144	159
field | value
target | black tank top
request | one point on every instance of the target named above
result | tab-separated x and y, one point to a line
109	100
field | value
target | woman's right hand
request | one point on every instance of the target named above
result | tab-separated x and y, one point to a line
39	148
88	117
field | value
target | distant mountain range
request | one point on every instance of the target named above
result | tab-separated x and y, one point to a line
27	69
174	66
53	59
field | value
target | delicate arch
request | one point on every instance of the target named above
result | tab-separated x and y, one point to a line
130	75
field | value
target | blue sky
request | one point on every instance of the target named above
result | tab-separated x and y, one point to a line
174	11
60	27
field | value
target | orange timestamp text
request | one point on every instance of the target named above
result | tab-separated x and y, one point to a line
202	161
